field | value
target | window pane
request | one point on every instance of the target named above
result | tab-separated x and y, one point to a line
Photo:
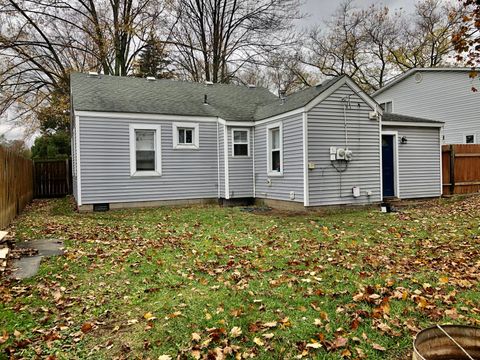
276	160
275	138
145	160
469	139
145	139
240	136
240	149
181	136
189	136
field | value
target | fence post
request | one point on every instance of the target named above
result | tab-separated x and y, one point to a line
452	169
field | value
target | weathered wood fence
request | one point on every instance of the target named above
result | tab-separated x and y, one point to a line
52	178
16	184
461	169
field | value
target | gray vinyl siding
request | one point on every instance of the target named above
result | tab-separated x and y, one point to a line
419	164
292	179
444	95
240	169
105	164
221	158
325	129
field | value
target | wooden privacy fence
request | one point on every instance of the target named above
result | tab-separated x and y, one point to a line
16	184
461	169
52	178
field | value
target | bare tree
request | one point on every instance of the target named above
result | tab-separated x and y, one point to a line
426	42
216	38
43	41
374	44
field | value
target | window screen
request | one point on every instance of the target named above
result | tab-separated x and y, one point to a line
145	149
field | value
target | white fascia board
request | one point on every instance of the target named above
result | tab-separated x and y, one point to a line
140	116
412	124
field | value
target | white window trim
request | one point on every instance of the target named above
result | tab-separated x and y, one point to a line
187	125
241	143
133	154
469	134
396	175
271	173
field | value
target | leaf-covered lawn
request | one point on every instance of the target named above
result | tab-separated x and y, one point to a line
211	282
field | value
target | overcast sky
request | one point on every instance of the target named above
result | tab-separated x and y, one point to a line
319	10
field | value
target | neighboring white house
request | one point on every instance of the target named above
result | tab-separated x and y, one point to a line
443	94
147	142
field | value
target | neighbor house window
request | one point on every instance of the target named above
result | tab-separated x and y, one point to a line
185	136
470	139
241	142
387	106
275	149
145	150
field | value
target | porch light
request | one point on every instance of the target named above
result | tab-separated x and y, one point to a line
403	140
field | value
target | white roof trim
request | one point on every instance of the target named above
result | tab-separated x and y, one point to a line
411	124
337	85
412	71
143	116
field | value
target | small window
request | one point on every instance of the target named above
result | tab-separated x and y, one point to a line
470	139
241	142
387	106
144	150
185	136
275	150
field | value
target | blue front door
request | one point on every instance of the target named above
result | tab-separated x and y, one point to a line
388	165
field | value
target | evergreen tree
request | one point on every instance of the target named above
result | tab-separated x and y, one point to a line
154	61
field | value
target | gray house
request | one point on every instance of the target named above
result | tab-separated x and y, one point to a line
147	142
443	94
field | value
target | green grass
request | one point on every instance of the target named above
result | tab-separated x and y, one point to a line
348	280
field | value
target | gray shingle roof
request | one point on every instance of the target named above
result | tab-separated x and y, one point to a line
405	118
230	102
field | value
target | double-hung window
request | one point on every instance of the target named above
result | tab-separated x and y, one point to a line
145	150
275	149
185	136
241	139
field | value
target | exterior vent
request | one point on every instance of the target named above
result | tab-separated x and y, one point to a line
151	78
92	73
101	207
252	86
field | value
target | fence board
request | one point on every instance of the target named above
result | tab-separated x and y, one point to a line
461	169
16	185
52	178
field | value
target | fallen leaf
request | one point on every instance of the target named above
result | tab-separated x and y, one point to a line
235	332
258	341
86	327
378	347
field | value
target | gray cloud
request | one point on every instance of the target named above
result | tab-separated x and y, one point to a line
318	11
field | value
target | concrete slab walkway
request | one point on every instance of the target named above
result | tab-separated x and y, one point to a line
26	267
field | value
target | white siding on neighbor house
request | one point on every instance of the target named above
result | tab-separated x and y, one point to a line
240	169
440	95
280	188
419	163
221	159
105	164
326	128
